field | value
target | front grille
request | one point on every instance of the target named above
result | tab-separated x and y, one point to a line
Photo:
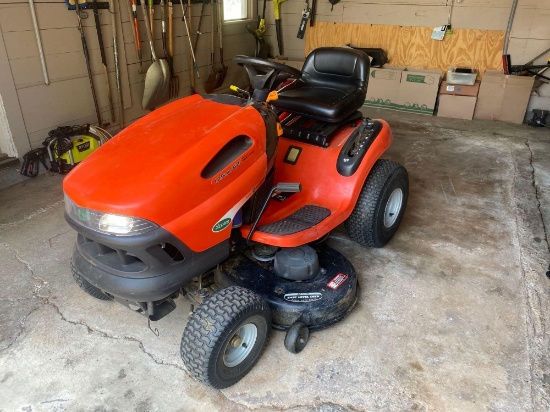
117	259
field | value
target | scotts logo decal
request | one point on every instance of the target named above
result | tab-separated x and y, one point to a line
221	225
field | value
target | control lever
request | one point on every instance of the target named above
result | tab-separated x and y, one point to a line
280	187
359	137
288	187
358	143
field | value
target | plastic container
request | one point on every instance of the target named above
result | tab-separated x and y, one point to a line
461	75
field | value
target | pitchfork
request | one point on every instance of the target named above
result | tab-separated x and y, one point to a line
174	80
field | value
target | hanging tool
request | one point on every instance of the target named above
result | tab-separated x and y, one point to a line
277	10
130	13
198	32
164	46
87	58
313	10
191	60
174	80
333	2
157	77
262	48
210	83
103	58
449	29
191	51
112	12
151	18
220	76
306	13
39	43
135	32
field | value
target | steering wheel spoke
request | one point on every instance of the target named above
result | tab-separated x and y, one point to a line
265	75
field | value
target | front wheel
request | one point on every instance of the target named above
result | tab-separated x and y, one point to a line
225	336
296	338
381	204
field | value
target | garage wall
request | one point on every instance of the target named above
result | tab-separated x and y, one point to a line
530	35
34	108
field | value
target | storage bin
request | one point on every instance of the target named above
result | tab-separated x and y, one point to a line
459	75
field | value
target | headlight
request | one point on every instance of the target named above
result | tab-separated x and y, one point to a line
106	222
116	224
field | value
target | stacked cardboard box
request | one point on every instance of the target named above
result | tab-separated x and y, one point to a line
402	89
503	97
499	96
457	101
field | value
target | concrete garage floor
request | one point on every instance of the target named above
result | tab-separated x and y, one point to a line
453	313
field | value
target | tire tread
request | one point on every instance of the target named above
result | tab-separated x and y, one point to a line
206	325
361	224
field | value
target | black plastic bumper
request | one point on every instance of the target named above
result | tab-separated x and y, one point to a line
144	268
132	289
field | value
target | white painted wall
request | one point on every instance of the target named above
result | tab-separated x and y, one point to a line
6	139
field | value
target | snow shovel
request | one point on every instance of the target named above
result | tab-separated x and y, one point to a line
157	77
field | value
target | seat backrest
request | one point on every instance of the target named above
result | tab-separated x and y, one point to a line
337	66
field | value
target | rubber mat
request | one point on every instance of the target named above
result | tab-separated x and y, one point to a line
304	218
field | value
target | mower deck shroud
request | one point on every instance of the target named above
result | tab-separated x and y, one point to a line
312	302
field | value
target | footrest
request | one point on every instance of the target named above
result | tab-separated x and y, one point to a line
304	218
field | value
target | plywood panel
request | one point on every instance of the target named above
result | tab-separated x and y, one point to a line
412	46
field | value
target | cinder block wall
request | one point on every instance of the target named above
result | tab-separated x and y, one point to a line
33	108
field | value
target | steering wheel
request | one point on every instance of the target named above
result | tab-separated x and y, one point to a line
264	74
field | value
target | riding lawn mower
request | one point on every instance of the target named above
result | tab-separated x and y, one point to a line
230	203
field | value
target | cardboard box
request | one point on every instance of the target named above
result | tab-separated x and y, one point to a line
503	97
383	87
418	91
459	90
456	107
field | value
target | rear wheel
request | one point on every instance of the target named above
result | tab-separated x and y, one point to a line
225	336
88	287
381	204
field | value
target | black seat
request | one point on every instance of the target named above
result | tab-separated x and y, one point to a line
333	85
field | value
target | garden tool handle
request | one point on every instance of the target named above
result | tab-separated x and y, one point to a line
277	12
277	8
151	18
148	30
170	30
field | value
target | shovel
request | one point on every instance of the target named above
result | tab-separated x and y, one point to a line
157	77
222	71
